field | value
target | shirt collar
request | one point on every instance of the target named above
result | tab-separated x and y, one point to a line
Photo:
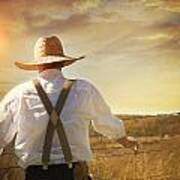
51	74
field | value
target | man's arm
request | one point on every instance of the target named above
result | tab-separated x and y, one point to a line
8	127
106	123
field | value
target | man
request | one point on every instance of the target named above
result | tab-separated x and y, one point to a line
50	117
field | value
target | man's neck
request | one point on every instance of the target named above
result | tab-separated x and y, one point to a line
50	73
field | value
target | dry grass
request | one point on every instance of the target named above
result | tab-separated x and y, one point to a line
158	158
159	154
158	125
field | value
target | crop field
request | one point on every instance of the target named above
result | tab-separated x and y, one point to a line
158	157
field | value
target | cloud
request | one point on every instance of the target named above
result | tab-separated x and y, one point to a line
57	25
154	37
32	16
24	15
169	5
145	21
85	6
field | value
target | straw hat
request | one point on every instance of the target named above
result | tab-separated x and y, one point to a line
48	51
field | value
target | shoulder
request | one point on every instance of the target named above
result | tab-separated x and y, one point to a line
84	85
86	88
17	91
23	88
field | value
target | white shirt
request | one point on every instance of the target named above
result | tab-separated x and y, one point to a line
22	113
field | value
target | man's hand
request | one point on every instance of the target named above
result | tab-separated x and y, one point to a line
129	142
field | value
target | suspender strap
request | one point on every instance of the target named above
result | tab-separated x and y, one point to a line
55	122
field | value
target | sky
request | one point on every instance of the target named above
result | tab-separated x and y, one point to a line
131	47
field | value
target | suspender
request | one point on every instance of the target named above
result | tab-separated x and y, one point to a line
55	123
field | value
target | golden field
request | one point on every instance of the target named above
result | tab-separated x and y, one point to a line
158	157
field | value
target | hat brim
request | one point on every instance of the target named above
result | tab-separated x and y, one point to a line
31	66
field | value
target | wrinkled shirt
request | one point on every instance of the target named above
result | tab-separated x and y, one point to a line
23	114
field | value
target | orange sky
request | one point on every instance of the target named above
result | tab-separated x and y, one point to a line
131	47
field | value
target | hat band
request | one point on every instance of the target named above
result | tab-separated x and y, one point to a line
49	59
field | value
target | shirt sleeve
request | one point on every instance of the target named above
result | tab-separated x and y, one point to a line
8	128
103	120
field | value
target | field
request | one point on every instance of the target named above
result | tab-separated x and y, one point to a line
158	157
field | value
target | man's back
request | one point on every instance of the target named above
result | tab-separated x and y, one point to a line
30	118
